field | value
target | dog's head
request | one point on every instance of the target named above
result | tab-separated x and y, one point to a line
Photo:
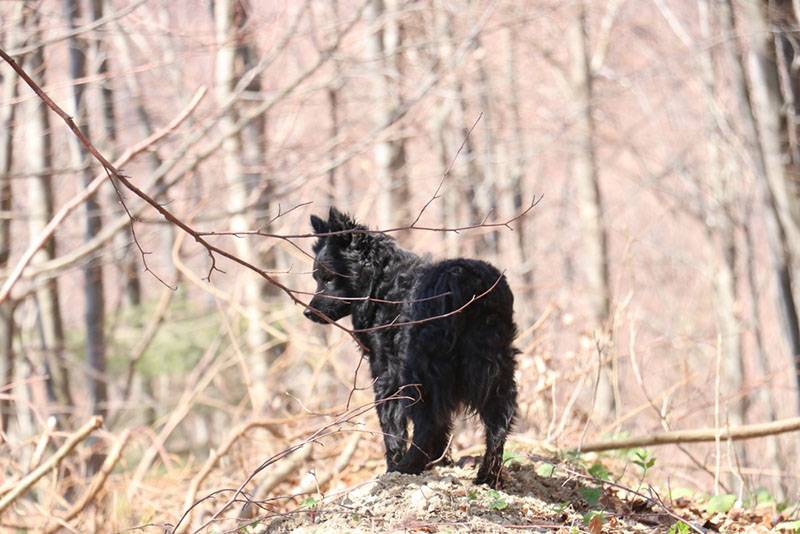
332	258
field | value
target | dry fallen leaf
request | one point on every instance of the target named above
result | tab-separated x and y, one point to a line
596	525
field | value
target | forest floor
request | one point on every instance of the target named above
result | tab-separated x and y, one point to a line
537	496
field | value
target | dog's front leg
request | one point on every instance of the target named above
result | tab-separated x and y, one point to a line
394	424
428	443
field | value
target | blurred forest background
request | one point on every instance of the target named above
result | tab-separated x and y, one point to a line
656	281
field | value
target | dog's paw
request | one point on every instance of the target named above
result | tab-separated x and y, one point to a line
410	469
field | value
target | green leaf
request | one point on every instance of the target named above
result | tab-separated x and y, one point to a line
309	502
497	501
788	525
598	470
591	495
545	470
560	507
679	528
763	497
472	495
721	503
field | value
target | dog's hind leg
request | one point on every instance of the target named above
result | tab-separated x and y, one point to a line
497	415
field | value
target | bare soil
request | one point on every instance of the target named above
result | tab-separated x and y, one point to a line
445	499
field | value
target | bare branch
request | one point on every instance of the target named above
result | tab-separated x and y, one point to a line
697	436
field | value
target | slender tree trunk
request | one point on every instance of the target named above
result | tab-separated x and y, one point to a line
243	169
443	133
778	241
774	455
38	155
337	180
517	243
771	124
8	92
390	155
721	233
102	95
94	314
488	187
786	44
134	88
590	203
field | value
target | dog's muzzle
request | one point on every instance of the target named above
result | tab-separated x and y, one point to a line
312	315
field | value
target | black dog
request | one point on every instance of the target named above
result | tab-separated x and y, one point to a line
446	328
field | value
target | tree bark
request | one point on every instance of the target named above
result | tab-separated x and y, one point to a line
590	202
721	233
248	189
517	243
145	122
8	92
771	120
771	125
337	179
385	58
94	313
487	188
38	155
442	127
102	94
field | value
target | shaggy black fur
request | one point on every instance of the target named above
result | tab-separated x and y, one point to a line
464	360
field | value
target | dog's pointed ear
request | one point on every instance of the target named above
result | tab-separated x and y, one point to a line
339	222
319	226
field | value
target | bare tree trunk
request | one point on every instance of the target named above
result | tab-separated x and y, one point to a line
134	89
774	455
38	152
786	44
487	188
442	128
94	315
772	127
781	255
590	204
337	179
390	155
102	94
243	168
154	161
721	233
8	92
518	243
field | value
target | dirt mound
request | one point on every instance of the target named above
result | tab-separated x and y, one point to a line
444	499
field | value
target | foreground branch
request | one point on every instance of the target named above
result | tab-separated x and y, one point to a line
697	436
97	484
25	484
